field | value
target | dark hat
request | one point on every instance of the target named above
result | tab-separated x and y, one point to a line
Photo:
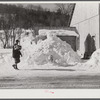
17	40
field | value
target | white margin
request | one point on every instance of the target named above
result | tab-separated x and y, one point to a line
41	93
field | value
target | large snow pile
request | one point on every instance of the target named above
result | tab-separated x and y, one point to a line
51	50
94	61
28	45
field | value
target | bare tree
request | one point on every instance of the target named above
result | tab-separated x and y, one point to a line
39	8
19	5
8	27
30	6
34	7
65	8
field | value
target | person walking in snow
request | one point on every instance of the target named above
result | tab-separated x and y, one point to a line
16	54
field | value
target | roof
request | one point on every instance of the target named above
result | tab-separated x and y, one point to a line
58	32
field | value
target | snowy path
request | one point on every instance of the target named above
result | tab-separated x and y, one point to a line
40	79
47	78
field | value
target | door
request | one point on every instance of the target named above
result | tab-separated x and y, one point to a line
70	40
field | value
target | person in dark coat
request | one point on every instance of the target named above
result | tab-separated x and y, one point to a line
16	53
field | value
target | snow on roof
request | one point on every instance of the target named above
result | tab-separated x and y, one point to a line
58	32
1	31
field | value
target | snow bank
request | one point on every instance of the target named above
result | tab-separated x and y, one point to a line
51	50
93	64
28	45
5	55
1	45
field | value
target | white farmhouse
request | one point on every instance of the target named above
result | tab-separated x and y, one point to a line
86	19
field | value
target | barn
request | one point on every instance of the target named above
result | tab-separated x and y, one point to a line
86	19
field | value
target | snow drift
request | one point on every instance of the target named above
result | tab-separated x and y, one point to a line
94	61
51	50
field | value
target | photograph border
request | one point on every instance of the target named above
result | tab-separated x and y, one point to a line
39	94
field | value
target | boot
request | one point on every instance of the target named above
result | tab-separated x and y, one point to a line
16	67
